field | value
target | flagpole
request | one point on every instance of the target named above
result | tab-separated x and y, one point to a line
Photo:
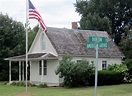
27	8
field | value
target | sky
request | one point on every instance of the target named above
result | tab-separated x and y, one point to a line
55	13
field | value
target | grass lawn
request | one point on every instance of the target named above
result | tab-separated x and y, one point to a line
114	90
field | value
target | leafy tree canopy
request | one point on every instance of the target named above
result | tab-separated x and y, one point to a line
12	42
119	12
11	37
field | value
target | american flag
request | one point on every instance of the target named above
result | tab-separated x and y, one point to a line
33	14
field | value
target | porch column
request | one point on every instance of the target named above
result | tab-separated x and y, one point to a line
19	70
22	70
42	64
9	71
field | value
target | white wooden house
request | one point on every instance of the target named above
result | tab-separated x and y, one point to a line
48	48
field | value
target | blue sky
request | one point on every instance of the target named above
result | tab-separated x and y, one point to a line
55	13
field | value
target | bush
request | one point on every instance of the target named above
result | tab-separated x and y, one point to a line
122	68
42	86
74	74
23	84
129	66
106	77
13	83
20	84
5	82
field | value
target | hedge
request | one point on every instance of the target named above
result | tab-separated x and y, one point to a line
106	77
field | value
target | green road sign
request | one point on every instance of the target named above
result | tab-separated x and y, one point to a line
103	45
90	45
100	45
93	39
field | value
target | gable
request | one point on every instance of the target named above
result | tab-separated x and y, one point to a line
42	45
73	41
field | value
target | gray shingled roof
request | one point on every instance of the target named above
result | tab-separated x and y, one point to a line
73	41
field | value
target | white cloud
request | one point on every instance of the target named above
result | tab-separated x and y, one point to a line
56	13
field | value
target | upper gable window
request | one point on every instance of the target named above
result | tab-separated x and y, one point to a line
43	42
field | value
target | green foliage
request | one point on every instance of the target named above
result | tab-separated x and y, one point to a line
115	90
129	66
42	86
106	77
121	68
31	35
20	84
117	11
118	68
13	83
74	74
23	84
126	47
95	22
12	42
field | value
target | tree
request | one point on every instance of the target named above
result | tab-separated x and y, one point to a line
12	42
119	13
126	47
95	22
126	43
74	74
31	35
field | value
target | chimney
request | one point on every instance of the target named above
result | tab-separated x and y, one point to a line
74	25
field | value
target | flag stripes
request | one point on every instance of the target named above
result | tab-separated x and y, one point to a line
34	14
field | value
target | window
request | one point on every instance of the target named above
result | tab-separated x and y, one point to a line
44	67
78	61
92	62
104	65
40	68
43	42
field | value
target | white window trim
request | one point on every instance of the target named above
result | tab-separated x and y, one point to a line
106	65
42	69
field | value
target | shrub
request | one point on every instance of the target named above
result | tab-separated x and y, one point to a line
20	84
5	82
106	77
42	86
74	74
122	68
13	83
33	85
23	84
129	66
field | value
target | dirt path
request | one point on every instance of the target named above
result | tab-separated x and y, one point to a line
24	94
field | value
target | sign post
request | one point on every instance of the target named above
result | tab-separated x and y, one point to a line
96	42
96	71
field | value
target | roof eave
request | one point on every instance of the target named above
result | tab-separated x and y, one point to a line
122	56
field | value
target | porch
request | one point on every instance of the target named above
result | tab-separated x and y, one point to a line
39	57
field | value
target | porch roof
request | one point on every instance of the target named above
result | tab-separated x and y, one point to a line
33	56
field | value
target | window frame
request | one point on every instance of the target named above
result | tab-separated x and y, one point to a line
92	62
104	65
44	67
